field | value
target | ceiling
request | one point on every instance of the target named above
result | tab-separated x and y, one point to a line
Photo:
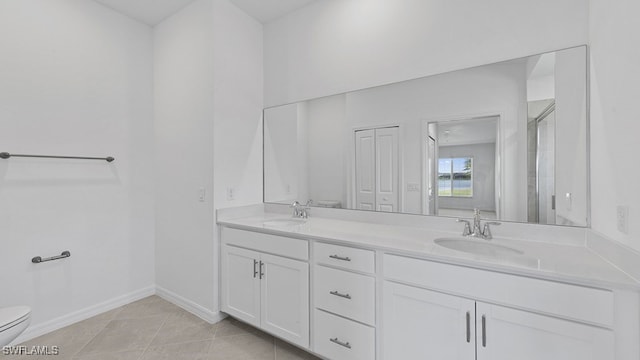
152	12
267	10
466	132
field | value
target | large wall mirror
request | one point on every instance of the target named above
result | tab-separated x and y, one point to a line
508	138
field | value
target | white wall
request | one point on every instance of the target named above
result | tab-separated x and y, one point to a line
571	137
238	103
334	46
540	77
75	79
300	134
615	89
183	96
281	138
327	150
208	103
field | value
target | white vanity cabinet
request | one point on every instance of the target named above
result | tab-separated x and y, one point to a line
420	323
344	294
344	300
265	282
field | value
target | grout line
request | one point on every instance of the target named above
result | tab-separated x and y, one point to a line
182	342
216	335
154	337
76	357
243	334
91	339
218	326
273	345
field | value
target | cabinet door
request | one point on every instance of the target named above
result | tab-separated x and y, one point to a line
423	324
241	284
285	298
507	334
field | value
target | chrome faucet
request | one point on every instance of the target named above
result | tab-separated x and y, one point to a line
478	230
300	211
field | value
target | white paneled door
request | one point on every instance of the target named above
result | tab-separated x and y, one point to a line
241	284
285	298
377	169
507	334
422	324
267	291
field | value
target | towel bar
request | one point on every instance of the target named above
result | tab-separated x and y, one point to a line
39	259
6	155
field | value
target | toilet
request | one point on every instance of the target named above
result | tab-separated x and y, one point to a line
13	321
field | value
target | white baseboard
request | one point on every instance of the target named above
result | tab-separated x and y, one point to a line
190	306
83	314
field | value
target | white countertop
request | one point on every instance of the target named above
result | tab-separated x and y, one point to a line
570	263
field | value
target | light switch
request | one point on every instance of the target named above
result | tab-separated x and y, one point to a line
202	193
622	219
231	193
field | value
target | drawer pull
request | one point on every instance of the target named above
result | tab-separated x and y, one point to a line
345	344
255	269
340	257
468	326
261	269
484	331
346	296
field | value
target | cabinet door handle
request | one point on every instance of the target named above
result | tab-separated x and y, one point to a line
261	269
255	269
468	327
346	258
484	331
346	296
345	344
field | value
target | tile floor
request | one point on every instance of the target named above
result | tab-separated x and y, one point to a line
154	329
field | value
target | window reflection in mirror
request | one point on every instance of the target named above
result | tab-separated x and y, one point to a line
467	175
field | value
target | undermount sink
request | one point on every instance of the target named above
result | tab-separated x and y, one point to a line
477	246
284	222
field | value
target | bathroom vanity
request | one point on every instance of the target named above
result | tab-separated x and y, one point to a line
353	288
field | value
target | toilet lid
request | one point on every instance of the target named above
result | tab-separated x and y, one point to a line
9	316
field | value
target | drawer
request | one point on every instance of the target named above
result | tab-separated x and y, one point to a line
340	339
563	300
277	245
344	257
344	293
